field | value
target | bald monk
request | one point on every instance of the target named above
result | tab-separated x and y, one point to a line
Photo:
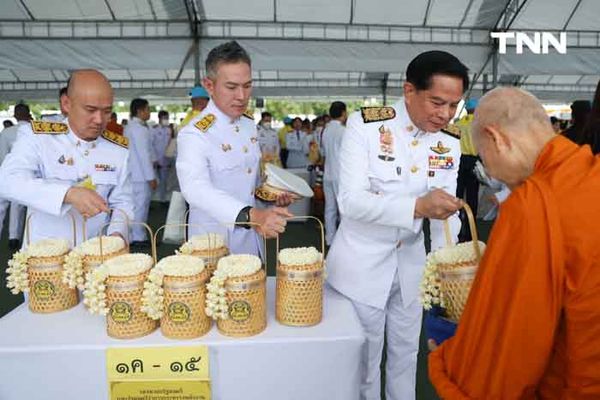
76	166
531	326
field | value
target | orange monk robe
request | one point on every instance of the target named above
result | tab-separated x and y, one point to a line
531	326
114	127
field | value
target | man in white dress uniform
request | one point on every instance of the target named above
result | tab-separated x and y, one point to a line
397	167
76	166
218	158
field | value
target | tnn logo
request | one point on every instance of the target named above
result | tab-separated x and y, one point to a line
540	43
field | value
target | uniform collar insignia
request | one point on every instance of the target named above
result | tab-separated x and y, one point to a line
440	149
206	122
376	114
49	128
115	138
452	130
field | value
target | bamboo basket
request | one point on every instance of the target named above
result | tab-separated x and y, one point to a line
247	298
184	298
456	278
48	293
299	290
125	320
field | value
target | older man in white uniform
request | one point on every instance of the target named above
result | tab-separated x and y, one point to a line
55	168
218	158
397	167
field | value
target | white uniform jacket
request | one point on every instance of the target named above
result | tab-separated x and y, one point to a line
47	159
218	170
385	164
142	154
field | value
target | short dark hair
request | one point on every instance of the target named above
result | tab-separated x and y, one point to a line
163	113
436	62
553	120
136	105
265	114
22	112
62	91
229	53
336	109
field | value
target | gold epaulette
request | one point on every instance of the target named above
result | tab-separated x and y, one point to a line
206	122
49	128
249	114
115	138
452	130
376	114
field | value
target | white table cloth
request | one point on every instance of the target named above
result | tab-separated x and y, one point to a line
62	356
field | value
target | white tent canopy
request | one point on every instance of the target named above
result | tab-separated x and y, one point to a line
298	47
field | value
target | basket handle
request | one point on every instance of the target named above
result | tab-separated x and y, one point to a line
110	211
184	225
252	224
472	227
28	226
322	237
129	223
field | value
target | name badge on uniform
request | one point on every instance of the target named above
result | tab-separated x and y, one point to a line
105	167
441	162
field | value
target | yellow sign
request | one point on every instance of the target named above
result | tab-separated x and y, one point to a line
162	373
160	390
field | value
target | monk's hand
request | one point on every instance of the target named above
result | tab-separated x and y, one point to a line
86	201
285	199
431	344
271	221
437	204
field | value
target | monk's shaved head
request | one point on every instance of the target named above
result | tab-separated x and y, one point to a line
511	110
88	103
510	130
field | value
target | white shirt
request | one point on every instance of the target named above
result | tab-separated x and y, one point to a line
42	167
218	170
297	146
384	167
161	136
268	141
8	137
331	145
140	147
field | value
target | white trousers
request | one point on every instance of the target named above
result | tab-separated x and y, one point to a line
331	210
402	325
16	221
141	206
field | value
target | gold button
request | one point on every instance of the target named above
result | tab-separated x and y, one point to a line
237	128
410	128
249	170
414	142
245	149
414	169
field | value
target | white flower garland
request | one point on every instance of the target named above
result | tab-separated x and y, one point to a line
73	270
17	279
177	265
94	291
228	267
206	241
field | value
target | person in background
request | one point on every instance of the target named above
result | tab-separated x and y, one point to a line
297	146
62	94
282	134
467	186
7	123
17	212
580	110
591	131
142	161
332	143
268	140
113	126
199	98
555	122
161	137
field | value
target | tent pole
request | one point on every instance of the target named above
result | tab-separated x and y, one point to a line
384	87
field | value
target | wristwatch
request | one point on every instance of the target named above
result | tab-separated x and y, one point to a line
243	217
